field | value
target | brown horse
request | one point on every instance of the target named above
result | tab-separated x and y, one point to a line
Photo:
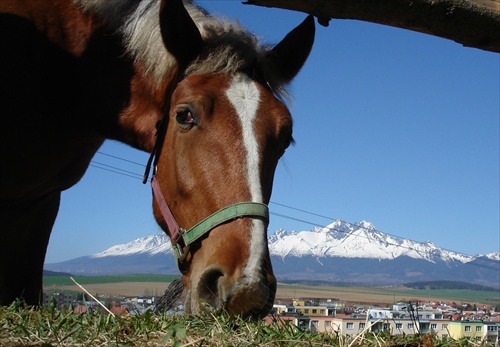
198	93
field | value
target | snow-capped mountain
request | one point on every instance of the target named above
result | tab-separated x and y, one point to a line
151	254
493	256
150	244
361	240
344	252
339	252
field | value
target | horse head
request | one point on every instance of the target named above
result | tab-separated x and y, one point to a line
224	130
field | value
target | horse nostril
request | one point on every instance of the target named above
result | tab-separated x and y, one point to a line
237	296
208	287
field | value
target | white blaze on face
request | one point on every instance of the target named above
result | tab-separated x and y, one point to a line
245	98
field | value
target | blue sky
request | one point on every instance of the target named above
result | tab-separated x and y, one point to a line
393	127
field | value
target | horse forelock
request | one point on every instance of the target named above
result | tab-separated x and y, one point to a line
229	47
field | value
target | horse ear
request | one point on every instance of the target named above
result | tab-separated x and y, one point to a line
291	53
180	34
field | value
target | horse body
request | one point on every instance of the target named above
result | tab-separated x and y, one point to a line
77	72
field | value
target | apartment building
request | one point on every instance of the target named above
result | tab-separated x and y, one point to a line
476	331
304	310
401	319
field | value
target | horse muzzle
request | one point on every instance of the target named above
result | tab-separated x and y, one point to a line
243	296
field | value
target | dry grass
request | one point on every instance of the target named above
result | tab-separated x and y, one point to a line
120	289
23	326
346	294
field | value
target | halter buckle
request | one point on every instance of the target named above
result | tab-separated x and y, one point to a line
180	243
182	239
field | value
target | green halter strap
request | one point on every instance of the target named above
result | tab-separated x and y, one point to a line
182	239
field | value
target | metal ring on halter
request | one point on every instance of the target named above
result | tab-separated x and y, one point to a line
181	237
181	254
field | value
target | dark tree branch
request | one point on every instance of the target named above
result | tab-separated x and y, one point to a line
472	23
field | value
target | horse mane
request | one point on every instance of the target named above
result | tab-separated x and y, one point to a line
228	46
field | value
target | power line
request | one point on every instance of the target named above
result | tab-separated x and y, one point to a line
122	159
352	225
300	210
387	242
117	170
113	171
330	219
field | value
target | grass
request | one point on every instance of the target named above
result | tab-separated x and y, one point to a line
457	295
23	326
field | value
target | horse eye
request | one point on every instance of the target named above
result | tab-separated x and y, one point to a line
185	118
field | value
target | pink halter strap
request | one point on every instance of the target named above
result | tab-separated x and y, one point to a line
182	239
172	225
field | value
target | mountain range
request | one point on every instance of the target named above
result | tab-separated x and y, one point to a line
339	252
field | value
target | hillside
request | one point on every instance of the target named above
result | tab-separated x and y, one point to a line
338	253
440	285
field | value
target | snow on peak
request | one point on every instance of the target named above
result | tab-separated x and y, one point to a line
152	244
493	256
366	225
279	234
338	239
360	240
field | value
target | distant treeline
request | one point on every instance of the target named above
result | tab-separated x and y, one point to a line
64	280
55	273
319	283
436	285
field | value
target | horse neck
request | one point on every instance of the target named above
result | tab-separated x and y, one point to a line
115	98
62	22
135	99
